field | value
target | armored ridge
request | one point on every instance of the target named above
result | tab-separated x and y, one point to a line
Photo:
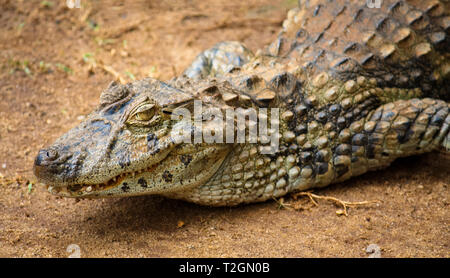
357	87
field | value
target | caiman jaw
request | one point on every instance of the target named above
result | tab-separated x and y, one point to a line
164	176
87	190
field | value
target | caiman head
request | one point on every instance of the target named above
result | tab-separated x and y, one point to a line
126	147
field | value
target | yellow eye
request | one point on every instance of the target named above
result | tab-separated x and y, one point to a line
144	116
145	113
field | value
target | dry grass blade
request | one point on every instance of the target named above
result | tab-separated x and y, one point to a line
114	73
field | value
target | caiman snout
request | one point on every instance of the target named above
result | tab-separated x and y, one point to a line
49	163
46	156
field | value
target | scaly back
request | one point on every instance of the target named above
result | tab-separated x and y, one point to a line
403	44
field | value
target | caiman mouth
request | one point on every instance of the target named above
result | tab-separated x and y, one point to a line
78	190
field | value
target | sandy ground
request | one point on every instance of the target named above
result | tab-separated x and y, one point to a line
54	63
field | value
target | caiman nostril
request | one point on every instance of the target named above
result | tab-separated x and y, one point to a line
51	155
45	157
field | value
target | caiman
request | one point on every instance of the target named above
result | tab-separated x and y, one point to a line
356	86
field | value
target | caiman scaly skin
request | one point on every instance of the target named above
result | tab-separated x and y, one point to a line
357	87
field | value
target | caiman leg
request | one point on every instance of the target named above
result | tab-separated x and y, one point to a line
397	129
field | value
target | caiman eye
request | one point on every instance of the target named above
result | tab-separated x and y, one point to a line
145	113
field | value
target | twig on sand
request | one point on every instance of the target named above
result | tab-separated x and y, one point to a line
108	69
312	197
85	15
114	73
344	204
